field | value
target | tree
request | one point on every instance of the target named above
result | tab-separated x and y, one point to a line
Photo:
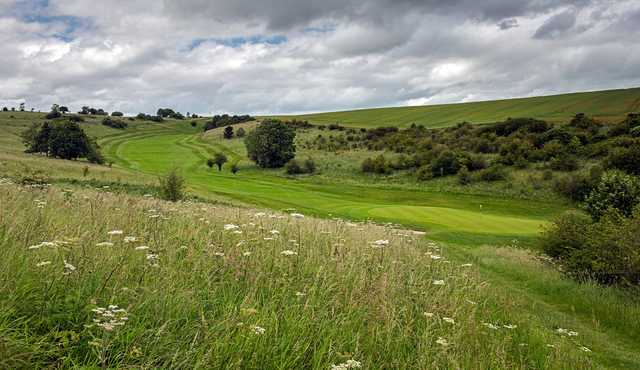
616	190
117	114
64	140
235	168
240	132
228	132
5	109
271	144
21	107
293	167
63	109
219	159
210	163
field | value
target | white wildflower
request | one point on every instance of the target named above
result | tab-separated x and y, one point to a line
246	254
258	330
259	214
274	232
43	263
142	248
68	268
510	326
443	342
115	232
104	244
584	349
219	254
491	326
380	243
300	294
438	282
230	227
288	252
428	314
349	364
297	215
449	320
466	265
130	239
152	259
435	257
110	318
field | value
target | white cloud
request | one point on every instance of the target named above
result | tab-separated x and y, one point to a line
246	57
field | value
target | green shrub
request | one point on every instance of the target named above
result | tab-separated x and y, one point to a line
293	167
378	165
607	251
616	190
309	166
172	186
493	173
625	159
566	163
445	164
464	176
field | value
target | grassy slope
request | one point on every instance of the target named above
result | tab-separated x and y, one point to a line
608	105
604	317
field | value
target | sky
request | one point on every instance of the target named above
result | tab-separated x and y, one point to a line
297	56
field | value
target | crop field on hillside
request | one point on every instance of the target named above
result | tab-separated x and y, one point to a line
609	105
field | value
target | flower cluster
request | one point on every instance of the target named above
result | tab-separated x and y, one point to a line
110	318
349	364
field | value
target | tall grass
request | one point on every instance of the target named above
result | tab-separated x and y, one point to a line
203	286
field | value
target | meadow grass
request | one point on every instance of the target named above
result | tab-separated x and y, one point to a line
99	280
608	105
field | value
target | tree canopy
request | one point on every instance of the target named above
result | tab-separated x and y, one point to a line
271	144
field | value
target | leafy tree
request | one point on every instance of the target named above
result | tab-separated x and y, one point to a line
210	162
615	190
172	186
64	140
219	159
5	109
21	107
228	132
63	109
117	114
235	168
240	132
194	123
625	159
271	144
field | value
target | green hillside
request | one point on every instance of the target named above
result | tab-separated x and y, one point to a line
608	105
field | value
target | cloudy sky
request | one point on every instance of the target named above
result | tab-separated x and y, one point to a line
292	56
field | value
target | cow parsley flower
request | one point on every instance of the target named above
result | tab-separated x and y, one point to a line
231	227
142	248
449	320
349	364
288	253
68	268
380	243
43	263
104	244
258	330
443	342
438	282
115	232
584	349
297	215
130	239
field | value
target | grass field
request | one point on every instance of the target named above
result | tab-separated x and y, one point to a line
199	309
608	105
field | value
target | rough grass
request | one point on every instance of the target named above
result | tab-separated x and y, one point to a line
201	296
608	105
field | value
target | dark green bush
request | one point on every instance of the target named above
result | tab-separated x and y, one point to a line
493	173
566	163
172	186
625	159
616	190
293	167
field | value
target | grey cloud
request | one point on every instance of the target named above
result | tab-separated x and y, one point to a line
508	23
556	25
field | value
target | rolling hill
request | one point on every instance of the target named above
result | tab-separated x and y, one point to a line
607	105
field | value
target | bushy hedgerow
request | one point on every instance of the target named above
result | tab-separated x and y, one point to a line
626	159
114	123
378	165
607	250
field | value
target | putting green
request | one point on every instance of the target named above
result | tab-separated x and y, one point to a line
155	150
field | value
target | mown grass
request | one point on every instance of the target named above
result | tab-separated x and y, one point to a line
205	296
608	105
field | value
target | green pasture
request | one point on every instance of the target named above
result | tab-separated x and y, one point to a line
608	105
